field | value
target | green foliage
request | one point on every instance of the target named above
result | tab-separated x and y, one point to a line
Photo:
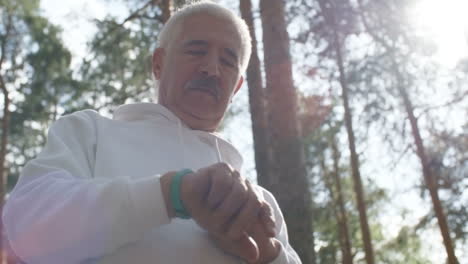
404	248
375	36
37	75
118	68
448	153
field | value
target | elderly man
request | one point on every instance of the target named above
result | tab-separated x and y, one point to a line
154	184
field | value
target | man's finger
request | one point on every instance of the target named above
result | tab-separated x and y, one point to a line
246	217
245	248
267	220
234	201
221	184
248	249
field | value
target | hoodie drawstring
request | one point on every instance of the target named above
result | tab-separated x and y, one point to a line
181	141
218	152
182	144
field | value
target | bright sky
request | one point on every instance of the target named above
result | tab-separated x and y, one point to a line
445	22
75	17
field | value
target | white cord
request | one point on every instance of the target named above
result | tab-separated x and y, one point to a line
220	158
181	142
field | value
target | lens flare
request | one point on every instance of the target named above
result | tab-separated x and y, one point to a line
446	24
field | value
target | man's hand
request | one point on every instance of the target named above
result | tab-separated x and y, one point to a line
219	200
266	248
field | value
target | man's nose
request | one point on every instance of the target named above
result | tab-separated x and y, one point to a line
210	65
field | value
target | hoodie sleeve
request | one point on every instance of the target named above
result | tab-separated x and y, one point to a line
287	254
59	213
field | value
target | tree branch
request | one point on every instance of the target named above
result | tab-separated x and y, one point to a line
135	14
3	46
435	107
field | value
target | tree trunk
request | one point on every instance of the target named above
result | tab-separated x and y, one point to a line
427	172
257	102
178	3
342	218
358	189
343	238
288	178
328	13
420	150
3	170
166	7
4	139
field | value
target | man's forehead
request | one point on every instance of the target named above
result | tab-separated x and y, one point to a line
205	29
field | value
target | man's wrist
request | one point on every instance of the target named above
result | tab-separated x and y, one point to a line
171	185
166	180
175	194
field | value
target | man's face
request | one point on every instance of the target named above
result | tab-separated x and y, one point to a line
199	72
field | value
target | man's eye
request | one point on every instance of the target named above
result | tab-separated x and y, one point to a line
227	63
196	52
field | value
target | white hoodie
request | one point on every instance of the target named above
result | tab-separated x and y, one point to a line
93	194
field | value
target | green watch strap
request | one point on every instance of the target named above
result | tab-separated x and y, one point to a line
177	204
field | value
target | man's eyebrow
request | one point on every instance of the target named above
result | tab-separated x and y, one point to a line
195	42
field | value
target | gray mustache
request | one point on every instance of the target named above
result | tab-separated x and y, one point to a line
209	84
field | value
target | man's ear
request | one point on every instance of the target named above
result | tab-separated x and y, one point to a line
158	59
238	85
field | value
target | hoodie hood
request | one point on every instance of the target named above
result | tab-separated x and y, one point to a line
143	111
226	152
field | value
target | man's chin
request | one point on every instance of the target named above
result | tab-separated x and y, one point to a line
203	94
202	109
201	118
198	96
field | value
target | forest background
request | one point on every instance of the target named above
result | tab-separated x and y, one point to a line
361	132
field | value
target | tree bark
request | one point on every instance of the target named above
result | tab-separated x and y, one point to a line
5	129
427	172
3	170
358	189
178	3
342	237
289	182
166	7
428	176
342	218
257	102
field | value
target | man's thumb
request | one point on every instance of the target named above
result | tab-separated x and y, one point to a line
248	248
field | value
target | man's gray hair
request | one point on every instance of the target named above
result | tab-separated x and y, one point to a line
172	26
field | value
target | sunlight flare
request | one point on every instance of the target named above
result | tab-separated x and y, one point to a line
446	24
